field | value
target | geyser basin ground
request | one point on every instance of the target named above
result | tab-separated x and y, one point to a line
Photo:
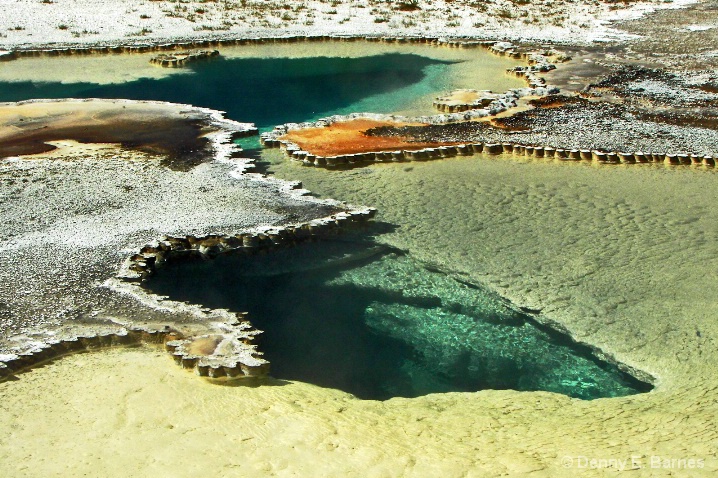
623	258
386	326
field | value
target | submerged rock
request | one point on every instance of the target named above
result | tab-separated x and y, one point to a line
182	58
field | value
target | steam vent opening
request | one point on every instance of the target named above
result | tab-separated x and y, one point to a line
369	320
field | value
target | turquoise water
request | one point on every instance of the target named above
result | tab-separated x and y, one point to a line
374	322
269	91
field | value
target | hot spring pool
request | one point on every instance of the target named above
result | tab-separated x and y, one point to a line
378	327
372	321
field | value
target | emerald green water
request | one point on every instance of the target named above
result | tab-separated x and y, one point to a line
378	324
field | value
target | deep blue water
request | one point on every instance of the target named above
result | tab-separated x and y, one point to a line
386	326
264	91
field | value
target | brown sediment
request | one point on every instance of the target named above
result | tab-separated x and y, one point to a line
681	119
518	122
174	60
24	132
27	128
157	136
506	124
350	137
204	345
524	120
554	101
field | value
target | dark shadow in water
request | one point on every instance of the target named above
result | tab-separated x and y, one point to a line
375	341
265	91
253	382
252	149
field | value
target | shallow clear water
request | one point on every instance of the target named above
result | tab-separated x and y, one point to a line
378	324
